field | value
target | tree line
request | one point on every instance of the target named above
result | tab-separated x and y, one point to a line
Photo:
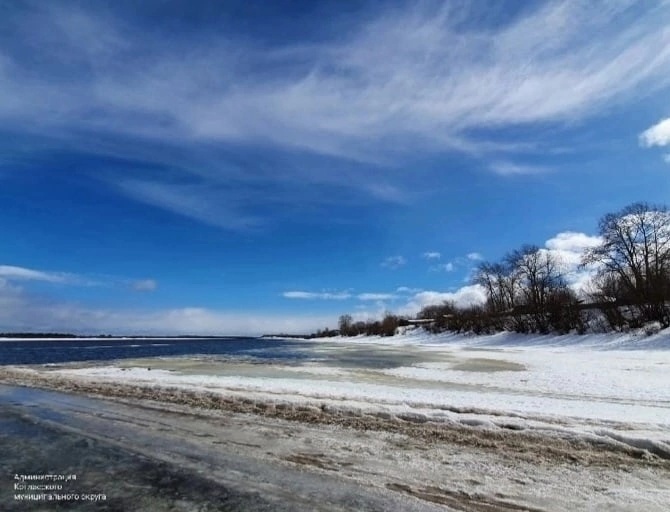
527	290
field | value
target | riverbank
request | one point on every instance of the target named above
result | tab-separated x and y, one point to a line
298	458
507	423
143	456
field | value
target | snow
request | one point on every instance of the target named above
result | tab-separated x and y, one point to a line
612	387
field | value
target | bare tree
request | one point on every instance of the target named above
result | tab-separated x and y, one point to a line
345	325
501	285
634	259
540	278
389	324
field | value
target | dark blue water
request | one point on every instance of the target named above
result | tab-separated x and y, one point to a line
68	350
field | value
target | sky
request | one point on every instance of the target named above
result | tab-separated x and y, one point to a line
251	167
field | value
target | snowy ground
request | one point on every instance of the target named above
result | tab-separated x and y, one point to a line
608	392
615	388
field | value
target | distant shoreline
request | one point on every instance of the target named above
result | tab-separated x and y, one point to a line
65	336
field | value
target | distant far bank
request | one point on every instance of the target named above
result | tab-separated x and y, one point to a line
61	335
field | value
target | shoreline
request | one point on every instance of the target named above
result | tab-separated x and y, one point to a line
410	463
497	423
528	446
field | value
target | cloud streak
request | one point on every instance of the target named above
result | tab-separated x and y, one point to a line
394	262
21	314
145	285
296	294
505	168
13	273
409	76
419	78
432	255
22	311
201	202
376	296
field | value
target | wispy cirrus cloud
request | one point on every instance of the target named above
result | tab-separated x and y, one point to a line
413	78
14	273
512	169
445	267
432	255
297	294
202	202
376	296
338	295
409	76
461	262
394	262
20	313
145	285
408	290
17	274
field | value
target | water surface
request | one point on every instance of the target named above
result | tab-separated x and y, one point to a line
73	350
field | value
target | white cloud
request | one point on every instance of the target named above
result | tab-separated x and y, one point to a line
445	267
11	298
376	296
568	248
407	289
511	169
572	241
461	262
657	135
200	202
398	81
406	78
21	312
26	274
387	192
145	285
317	295
13	273
394	262
463	297
70	318
432	255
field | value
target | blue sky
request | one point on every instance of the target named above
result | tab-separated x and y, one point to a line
249	167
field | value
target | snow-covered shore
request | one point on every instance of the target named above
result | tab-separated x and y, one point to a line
549	422
611	388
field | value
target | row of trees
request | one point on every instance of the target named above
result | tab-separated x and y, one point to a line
386	327
527	290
